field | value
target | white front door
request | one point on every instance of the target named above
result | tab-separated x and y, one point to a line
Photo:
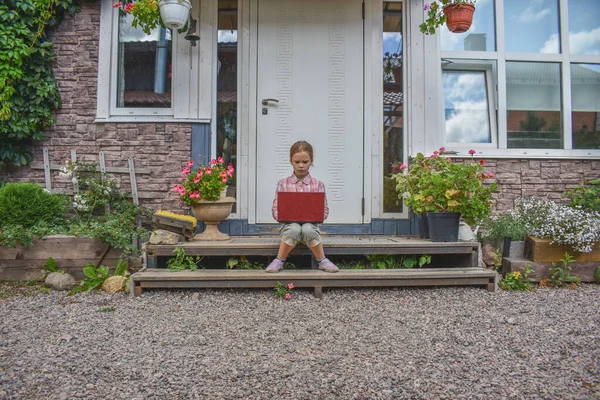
310	59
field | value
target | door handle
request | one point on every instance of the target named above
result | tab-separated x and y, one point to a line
265	102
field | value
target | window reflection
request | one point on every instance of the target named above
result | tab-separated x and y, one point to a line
531	26
227	41
585	95
480	37
468	100
584	26
393	61
144	66
533	105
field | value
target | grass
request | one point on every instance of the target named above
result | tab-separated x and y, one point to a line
10	289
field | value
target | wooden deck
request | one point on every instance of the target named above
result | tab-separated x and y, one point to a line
227	279
461	268
334	245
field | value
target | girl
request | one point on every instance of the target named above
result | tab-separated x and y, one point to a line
301	158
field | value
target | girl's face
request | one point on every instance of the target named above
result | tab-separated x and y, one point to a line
301	162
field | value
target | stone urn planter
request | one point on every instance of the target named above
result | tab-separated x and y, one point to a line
174	13
211	213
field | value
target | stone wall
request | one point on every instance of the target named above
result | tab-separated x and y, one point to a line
548	178
163	148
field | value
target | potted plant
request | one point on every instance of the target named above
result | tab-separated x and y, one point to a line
149	14
506	232
457	14
446	191
203	187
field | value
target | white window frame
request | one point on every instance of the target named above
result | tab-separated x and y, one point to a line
192	83
491	100
435	137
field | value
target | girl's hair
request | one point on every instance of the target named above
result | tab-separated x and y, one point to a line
301	146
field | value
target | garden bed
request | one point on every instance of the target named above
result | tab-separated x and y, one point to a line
71	254
541	270
540	250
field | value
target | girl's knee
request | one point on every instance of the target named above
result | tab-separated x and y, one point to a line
310	233
293	231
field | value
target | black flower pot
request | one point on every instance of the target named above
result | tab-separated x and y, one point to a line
423	226
443	226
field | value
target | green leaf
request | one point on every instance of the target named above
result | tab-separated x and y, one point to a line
90	271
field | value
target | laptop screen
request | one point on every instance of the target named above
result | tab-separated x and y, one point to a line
301	207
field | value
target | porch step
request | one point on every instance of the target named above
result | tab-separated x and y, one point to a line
227	279
462	254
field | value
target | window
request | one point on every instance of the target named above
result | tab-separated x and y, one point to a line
536	92
156	77
393	104
227	73
469	101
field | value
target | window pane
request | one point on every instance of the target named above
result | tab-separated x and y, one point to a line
392	102
584	26
585	95
144	66
531	26
533	105
467	100
227	85
480	37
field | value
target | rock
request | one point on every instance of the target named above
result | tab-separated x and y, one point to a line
465	233
160	236
60	281
114	284
488	256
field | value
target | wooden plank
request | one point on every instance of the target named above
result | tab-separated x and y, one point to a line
47	174
541	270
133	182
292	275
114	170
23	270
58	248
540	250
74	160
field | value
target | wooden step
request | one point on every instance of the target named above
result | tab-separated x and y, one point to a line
227	279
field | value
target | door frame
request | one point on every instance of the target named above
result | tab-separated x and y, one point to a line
247	117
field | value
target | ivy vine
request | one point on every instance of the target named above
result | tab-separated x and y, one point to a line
28	90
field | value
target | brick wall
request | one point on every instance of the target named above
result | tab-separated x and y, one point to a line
163	148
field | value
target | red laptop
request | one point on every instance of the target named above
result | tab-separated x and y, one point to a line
301	207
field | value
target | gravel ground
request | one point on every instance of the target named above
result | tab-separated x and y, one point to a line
434	343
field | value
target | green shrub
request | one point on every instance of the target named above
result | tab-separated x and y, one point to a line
597	275
27	204
586	196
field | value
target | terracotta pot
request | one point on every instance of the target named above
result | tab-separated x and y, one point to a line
174	13
459	17
211	213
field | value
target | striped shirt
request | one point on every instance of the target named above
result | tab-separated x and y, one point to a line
294	184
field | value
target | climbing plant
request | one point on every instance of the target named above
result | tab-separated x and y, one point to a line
28	91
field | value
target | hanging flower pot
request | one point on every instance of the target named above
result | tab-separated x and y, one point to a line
459	17
174	13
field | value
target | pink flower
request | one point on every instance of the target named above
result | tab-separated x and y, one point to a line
288	296
471	152
403	166
208	171
449	159
484	176
224	180
290	286
118	4
213	161
492	175
481	162
185	171
429	167
190	163
128	8
220	160
229	174
426	7
223	174
197	179
436	153
442	149
200	172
